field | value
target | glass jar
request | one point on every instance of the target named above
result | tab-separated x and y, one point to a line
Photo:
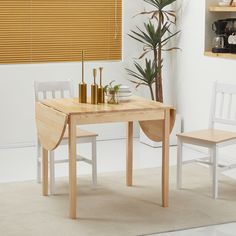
112	97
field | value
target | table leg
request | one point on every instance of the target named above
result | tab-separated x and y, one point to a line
45	172
72	168
129	154
165	159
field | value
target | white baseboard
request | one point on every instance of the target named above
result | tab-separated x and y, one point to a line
33	144
17	145
106	132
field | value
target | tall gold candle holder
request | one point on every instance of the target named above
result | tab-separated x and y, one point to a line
94	89
101	96
83	85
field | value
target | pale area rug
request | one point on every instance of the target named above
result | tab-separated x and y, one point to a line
114	209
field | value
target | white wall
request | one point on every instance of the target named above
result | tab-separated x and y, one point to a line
16	85
190	80
195	72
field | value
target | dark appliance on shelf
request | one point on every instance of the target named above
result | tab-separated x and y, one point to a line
223	29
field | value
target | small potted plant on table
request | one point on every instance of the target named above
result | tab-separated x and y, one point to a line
111	92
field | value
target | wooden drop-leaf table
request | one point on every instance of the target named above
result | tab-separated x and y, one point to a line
53	116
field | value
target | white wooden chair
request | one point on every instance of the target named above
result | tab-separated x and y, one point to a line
223	112
61	89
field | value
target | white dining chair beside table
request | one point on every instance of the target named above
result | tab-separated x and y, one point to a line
222	112
62	89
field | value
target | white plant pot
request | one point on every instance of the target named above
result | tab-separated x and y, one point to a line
173	139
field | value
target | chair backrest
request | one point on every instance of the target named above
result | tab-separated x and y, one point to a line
52	89
223	107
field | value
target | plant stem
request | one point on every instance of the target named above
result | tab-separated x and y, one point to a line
159	93
156	79
151	92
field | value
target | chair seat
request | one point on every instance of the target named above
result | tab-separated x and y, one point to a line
80	133
209	135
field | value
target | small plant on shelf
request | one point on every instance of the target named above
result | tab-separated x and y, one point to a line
111	92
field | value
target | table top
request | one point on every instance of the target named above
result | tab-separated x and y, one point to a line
52	116
72	106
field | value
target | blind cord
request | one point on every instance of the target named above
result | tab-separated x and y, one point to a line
115	19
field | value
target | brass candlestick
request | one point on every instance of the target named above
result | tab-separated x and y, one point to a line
94	89
101	97
83	85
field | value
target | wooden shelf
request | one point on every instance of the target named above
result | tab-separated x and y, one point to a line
220	55
222	9
213	13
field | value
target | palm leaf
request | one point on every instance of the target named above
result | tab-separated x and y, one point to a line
169	37
137	83
159	4
136	75
154	3
144	74
143	54
171	49
150	36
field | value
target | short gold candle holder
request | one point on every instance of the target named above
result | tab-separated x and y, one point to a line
94	89
83	85
101	92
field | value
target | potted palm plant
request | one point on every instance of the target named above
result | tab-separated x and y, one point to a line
155	37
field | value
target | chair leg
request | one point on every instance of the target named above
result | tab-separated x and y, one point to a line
211	158
179	163
52	173
215	173
94	162
38	162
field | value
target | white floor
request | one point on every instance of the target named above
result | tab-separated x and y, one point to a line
20	164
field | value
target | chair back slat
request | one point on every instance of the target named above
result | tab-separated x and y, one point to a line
44	94
53	94
221	104
223	108
62	93
52	89
229	106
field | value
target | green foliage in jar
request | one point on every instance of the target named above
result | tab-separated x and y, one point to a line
110	89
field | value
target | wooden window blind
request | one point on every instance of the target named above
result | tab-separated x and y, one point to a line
14	31
34	31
